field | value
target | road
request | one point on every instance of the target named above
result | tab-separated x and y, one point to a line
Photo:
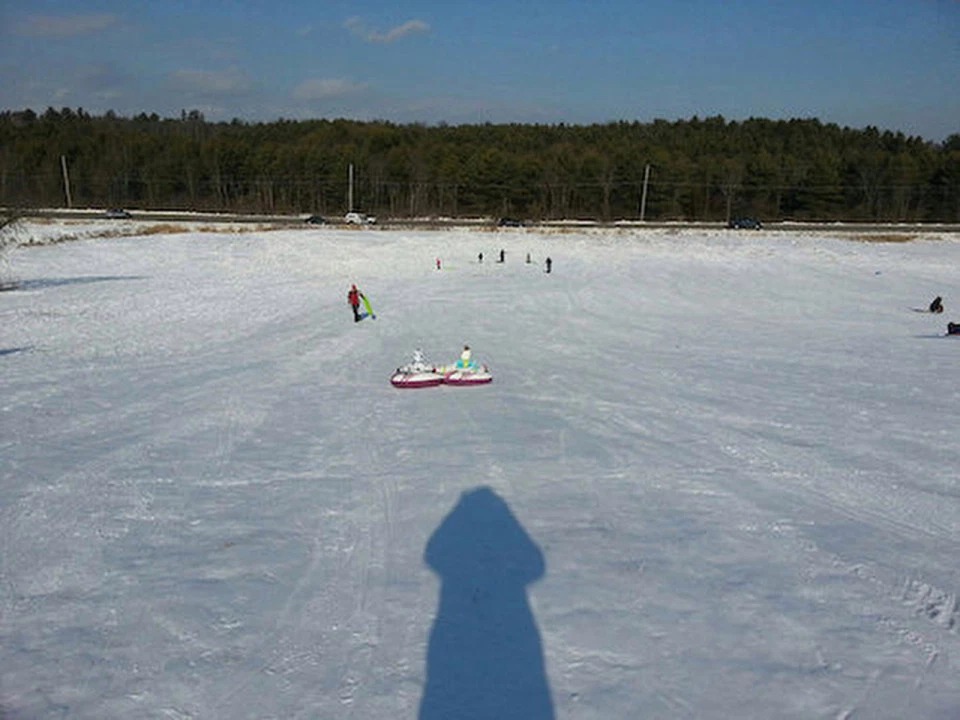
451	223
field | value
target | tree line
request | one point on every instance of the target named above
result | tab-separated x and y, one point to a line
698	169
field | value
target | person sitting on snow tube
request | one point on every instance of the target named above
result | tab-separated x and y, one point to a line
937	305
953	328
466	361
420	363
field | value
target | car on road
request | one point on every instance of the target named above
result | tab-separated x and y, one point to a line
509	222
358	218
117	214
316	220
745	223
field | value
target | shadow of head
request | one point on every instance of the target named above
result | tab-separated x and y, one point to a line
485	656
481	543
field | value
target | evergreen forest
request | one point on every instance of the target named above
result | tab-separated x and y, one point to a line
698	169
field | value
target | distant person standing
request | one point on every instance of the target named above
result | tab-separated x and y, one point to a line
353	298
480	258
438	263
502	256
549	264
528	259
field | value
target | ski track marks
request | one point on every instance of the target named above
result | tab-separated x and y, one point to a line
217	506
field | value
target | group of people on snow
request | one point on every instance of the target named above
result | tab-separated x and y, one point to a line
548	264
465	361
355	296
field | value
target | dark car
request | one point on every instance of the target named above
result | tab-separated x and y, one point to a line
509	222
744	223
316	220
117	214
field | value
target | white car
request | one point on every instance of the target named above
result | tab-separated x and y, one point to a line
355	218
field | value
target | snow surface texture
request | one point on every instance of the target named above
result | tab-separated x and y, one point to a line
716	476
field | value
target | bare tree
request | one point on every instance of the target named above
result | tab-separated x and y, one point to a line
8	241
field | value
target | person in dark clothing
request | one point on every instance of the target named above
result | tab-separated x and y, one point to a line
549	264
937	305
480	258
502	256
353	297
953	328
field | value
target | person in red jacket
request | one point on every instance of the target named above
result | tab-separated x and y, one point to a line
353	297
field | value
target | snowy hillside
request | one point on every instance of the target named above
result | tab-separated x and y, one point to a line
715	476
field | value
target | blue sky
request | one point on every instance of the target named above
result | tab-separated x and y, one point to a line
894	64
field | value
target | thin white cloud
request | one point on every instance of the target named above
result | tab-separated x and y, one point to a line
359	28
103	82
226	82
325	89
64	25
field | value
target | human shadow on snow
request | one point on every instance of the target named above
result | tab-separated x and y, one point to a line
485	657
11	351
42	283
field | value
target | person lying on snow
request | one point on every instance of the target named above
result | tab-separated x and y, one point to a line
953	328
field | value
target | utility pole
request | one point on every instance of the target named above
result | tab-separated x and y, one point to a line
66	180
643	195
350	189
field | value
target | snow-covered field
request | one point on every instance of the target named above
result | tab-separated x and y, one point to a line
717	475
